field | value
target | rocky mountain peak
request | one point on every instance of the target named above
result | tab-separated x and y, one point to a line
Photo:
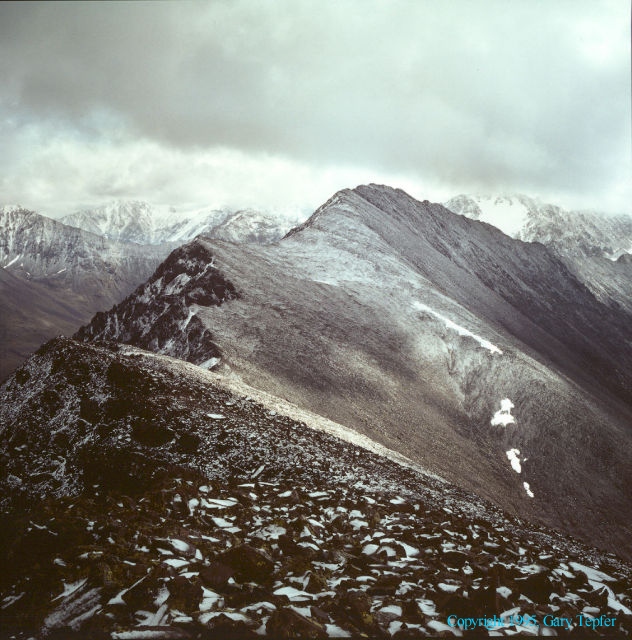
14	216
6	209
373	206
185	281
341	200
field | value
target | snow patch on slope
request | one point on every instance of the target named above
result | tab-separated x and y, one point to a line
12	261
462	331
503	415
513	455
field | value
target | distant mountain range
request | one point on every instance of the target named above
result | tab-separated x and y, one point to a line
584	234
595	247
142	223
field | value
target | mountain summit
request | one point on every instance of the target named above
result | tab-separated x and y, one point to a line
481	357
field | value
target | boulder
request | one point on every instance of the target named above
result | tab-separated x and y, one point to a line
250	564
287	623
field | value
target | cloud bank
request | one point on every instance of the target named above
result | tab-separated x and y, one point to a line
280	103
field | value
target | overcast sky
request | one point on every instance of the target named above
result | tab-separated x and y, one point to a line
277	104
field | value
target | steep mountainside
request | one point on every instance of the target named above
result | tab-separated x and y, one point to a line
481	357
579	233
55	277
589	243
31	314
141	223
143	498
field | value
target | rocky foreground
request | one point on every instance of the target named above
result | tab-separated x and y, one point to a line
140	500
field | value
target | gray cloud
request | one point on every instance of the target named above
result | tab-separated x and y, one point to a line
523	96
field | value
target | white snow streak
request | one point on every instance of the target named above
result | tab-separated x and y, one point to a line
12	261
192	312
513	457
462	331
70	588
210	363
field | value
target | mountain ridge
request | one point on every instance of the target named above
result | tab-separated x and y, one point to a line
365	429
414	329
425	220
140	222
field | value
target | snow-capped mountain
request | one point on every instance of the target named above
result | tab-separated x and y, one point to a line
253	226
142	223
126	221
573	233
144	497
481	357
41	248
596	248
77	273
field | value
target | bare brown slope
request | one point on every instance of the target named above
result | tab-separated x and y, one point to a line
32	314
